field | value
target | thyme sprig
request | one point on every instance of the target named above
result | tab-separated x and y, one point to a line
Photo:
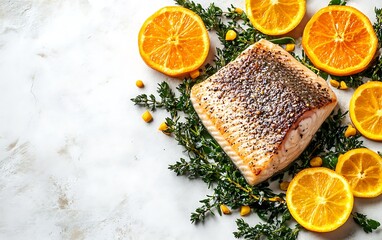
271	231
367	224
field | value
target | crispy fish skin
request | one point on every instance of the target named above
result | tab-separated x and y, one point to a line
263	109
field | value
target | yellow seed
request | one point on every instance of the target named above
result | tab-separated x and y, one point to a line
350	131
239	10
290	47
147	117
284	185
230	35
316	162
163	126
195	74
139	84
343	85
225	209
334	83
245	210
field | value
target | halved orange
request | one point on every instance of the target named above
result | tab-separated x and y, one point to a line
319	199
340	40
365	110
174	41
275	17
362	168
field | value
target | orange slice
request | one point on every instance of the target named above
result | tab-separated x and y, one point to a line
365	110
275	17
174	41
362	168
319	199
340	40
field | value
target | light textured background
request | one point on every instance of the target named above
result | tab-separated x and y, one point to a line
76	160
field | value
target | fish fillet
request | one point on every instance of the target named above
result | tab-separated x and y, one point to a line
263	109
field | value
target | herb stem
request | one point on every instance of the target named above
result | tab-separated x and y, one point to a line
249	192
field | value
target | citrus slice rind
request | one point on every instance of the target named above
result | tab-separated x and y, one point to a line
275	17
174	41
362	168
365	110
319	199
340	40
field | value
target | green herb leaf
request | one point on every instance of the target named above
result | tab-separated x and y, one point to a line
367	224
337	2
209	204
148	101
330	160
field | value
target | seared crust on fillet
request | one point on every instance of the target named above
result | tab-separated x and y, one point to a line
263	109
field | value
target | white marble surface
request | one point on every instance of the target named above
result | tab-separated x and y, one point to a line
76	160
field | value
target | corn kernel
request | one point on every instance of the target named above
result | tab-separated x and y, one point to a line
284	185
194	74
139	84
316	162
163	126
350	131
343	85
147	117
290	47
230	35
245	210
238	10
225	209
334	83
